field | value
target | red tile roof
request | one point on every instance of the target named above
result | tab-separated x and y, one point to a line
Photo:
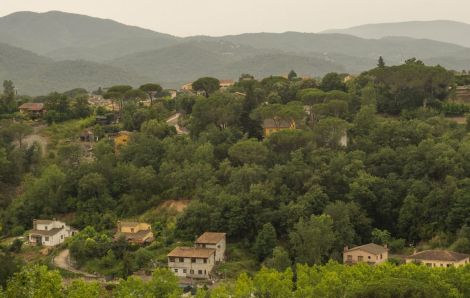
210	238
32	106
191	252
370	248
439	255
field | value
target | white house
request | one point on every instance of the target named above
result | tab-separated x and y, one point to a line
215	241
49	232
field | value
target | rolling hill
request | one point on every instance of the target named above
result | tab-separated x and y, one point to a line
63	51
441	30
34	74
64	36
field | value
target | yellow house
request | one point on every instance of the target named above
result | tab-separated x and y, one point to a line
121	139
134	232
371	254
439	258
270	126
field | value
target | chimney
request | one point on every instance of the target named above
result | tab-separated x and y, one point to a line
386	245
35	224
346	248
119	226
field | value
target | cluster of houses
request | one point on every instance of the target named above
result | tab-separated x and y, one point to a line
198	261
53	232
374	254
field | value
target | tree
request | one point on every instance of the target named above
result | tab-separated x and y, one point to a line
35	281
381	62
152	90
280	259
206	84
292	75
265	241
332	81
311	240
84	289
20	131
248	151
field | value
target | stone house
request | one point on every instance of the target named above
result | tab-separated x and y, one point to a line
215	241
369	253
192	262
439	258
134	232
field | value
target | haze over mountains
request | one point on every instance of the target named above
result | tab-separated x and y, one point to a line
50	51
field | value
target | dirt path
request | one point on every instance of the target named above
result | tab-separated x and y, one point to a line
62	260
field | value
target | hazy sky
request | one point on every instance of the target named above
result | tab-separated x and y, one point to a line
220	17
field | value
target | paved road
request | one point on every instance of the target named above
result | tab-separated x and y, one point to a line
62	260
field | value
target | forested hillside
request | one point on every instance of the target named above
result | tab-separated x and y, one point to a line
291	197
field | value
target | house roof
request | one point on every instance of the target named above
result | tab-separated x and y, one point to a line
32	106
128	223
439	255
50	232
210	238
370	248
272	123
227	82
43	221
140	235
191	252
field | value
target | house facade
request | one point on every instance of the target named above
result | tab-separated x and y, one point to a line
49	232
192	262
439	258
371	253
216	241
134	232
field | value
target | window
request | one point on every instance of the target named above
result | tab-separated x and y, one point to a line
205	261
199	272
184	270
381	256
132	230
349	258
360	258
176	270
429	264
368	257
172	259
45	228
61	236
193	260
450	265
191	271
218	246
47	239
181	260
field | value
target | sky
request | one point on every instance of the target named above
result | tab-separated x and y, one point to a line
222	17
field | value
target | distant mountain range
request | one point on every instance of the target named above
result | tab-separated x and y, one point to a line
440	30
43	52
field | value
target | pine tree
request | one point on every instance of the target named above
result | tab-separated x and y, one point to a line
381	63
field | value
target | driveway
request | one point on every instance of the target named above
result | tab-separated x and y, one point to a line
62	260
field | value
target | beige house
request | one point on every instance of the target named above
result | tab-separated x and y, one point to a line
49	232
134	232
192	262
215	241
187	87
271	126
369	253
224	84
439	258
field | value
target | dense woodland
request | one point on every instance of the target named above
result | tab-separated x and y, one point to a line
295	197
